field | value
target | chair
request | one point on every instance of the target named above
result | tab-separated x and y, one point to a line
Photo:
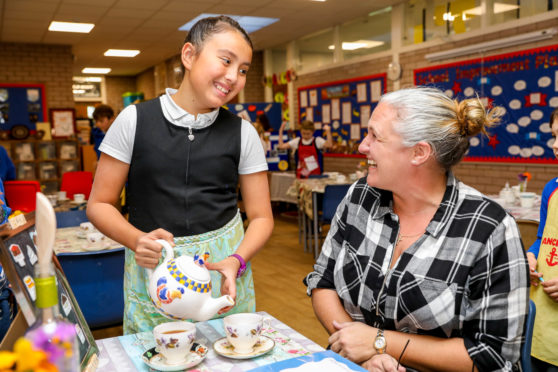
21	195
79	182
70	218
528	230
526	349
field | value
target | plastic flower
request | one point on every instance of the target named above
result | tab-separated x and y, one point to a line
524	176
25	359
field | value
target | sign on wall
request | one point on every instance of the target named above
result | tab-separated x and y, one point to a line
524	83
344	105
22	104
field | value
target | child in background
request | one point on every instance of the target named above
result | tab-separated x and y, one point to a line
543	264
103	116
7	305
308	148
183	157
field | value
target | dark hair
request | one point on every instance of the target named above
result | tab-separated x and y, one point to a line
206	27
553	116
264	121
103	111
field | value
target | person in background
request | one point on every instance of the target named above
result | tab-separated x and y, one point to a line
7	167
543	269
263	128
308	149
183	157
103	115
7	303
414	257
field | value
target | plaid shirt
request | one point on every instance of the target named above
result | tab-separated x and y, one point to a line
467	276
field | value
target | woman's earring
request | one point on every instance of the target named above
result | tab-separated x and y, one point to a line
414	162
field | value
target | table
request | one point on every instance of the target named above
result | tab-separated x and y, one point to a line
123	353
519	212
72	240
279	183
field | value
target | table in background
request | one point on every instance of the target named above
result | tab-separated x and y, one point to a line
522	213
124	353
73	240
279	183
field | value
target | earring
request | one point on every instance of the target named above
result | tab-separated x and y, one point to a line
414	162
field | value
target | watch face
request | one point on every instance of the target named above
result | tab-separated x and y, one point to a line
380	343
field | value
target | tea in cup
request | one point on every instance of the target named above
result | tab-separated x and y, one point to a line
243	331
174	340
79	198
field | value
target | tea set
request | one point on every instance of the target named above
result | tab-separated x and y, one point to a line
180	289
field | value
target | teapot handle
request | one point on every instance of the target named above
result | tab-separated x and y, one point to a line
169	254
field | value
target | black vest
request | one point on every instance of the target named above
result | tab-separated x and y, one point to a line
185	187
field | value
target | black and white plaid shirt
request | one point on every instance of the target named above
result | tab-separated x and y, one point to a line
467	276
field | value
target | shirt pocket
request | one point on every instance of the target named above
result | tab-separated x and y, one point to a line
425	305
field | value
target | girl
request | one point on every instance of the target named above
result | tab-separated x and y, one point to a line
183	157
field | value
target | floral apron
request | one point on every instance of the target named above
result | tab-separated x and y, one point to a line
139	313
545	332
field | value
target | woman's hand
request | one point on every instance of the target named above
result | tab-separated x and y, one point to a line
550	287
533	275
353	340
148	251
382	363
228	269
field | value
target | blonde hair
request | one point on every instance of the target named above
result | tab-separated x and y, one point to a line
426	114
307	125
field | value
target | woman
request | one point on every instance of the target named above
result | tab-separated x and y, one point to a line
415	255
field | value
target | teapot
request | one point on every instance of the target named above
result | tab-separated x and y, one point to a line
180	288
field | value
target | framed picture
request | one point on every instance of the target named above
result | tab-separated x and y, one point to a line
18	256
63	122
67	150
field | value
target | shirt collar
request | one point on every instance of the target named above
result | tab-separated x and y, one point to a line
177	115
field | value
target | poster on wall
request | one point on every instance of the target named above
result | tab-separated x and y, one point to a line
524	83
344	105
22	104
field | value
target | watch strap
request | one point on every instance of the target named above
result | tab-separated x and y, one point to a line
242	267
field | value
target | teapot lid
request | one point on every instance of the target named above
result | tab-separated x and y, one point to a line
194	268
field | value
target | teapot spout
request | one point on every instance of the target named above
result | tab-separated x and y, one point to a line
212	306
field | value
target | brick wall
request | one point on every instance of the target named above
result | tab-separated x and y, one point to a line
116	86
488	178
254	90
145	83
50	65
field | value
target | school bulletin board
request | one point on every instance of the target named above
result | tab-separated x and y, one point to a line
22	104
524	83
344	105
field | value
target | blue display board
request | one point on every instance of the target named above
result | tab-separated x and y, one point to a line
22	104
524	83
250	111
344	105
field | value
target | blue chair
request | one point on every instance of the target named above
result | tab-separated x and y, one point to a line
70	218
526	350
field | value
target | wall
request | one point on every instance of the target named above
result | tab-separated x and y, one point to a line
254	90
50	65
489	178
116	86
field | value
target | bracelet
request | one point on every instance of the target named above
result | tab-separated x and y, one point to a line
242	268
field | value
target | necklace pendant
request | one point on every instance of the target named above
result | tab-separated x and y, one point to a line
191	137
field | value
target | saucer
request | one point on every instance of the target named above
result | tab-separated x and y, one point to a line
77	202
224	348
156	361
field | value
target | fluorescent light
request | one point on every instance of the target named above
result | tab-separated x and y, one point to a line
83	28
498	8
494	44
352	45
249	24
122	52
96	70
97	79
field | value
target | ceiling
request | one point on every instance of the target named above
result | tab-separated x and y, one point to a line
152	25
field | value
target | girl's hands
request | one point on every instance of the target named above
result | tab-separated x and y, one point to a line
148	251
533	275
550	287
382	363
228	269
353	340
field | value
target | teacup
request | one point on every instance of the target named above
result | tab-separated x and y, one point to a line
174	340
61	195
94	237
243	331
527	199
79	198
53	199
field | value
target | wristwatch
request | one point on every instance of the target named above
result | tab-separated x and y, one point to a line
380	342
242	268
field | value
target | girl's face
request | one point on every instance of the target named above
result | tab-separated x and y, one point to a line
554	128
383	147
217	72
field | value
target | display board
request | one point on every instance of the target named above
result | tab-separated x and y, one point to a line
524	83
22	104
249	112
344	105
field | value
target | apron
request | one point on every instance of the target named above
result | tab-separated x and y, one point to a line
545	332
139	313
308	160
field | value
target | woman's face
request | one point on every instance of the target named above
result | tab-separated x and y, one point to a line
554	129
217	73
387	157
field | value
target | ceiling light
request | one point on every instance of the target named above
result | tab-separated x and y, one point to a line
498	8
321	1
96	70
122	52
83	28
494	44
352	45
249	24
82	79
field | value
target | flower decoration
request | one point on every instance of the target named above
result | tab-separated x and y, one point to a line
25	359
525	176
58	344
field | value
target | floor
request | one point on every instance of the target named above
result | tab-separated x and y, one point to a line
278	272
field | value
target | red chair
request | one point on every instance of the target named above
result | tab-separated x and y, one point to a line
79	182
21	195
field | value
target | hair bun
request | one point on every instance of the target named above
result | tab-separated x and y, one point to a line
472	117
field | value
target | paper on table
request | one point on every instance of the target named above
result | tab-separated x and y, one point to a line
328	364
311	163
